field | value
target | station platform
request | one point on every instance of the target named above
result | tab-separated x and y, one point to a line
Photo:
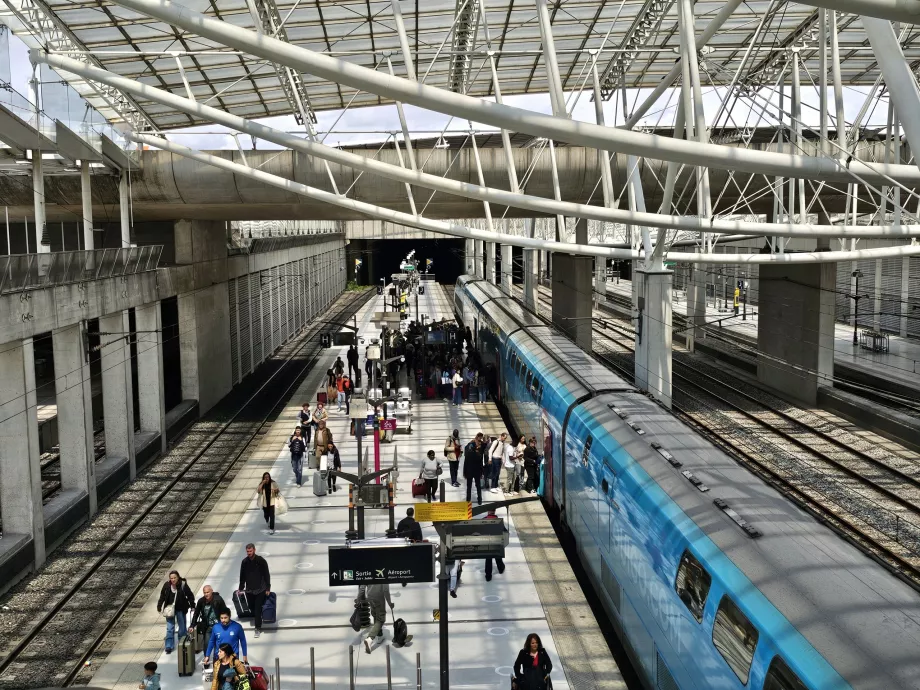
899	366
489	621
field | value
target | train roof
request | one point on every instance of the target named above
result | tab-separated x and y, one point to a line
854	612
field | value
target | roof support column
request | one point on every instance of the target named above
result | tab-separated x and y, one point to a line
117	394
151	393
556	97
124	208
86	193
506	259
490	262
600	263
38	198
531	268
653	333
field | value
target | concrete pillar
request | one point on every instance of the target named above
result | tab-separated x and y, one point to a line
150	392
490	262
581	231
478	258
87	197
905	305
204	342
653	333
530	280
124	209
600	278
795	328
38	198
20	469
117	393
470	257
74	397
696	304
506	268
572	303
877	297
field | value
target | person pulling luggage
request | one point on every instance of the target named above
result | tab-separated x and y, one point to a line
532	666
431	468
377	596
227	669
176	600
452	451
226	632
255	581
298	448
321	439
207	613
333	462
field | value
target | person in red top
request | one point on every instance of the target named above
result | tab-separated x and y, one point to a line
532	666
340	387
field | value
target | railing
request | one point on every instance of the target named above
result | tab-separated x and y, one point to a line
31	271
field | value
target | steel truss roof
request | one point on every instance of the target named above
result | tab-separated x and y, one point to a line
638	41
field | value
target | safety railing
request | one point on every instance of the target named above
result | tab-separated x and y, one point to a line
31	271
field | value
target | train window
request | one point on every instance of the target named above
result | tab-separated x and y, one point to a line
528	380
781	677
735	638
692	585
586	453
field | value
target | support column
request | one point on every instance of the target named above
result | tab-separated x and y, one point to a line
490	262
600	278
530	280
877	296
204	341
124	208
470	257
74	398
696	305
38	198
653	333
478	259
89	241
20	469
150	370
905	305
506	268
117	394
572	303
795	328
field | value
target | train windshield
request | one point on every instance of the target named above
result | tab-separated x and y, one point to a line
692	585
735	638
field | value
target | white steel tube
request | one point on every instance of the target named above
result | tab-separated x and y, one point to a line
403	39
902	86
606	173
86	194
527	202
506	140
463	231
557	98
124	209
838	87
516	119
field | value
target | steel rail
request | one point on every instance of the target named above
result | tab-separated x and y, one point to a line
152	505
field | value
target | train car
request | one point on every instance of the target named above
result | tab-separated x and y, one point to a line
712	579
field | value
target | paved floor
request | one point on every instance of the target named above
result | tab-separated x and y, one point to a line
488	621
901	363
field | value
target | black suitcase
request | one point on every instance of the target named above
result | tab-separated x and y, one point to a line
241	603
400	631
186	656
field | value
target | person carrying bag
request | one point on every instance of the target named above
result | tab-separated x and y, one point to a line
431	468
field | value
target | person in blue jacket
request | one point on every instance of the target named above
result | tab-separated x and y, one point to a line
227	632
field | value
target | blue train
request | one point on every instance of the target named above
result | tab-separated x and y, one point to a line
712	579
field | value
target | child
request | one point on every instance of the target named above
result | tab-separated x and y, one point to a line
151	679
228	682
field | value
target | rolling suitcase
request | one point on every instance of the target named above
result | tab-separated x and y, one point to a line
186	656
201	639
419	487
321	397
270	609
241	603
319	484
400	631
207	678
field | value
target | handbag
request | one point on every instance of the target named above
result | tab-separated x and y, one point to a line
169	611
281	505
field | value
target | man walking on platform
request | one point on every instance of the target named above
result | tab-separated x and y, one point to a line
472	468
352	357
255	580
378	596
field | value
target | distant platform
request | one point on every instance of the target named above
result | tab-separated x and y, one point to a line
489	621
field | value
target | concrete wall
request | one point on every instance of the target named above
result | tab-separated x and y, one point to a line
795	330
204	345
572	297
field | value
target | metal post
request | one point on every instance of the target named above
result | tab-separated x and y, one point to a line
351	533
351	667
442	491
418	672
278	671
6	212
389	672
443	587
87	196
38	197
124	209
838	86
856	310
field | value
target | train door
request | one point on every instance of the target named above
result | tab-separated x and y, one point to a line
547	433
607	506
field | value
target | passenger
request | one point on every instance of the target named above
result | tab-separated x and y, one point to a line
256	581
352	358
226	633
348	388
501	564
496	453
378	596
340	391
456	571
268	494
532	666
408	527
332	390
227	669
431	468
306	423
298	447
322	439
509	470
319	415
519	465
333	462
176	600
151	679
457	382
452	451
472	468
207	612
531	465
339	367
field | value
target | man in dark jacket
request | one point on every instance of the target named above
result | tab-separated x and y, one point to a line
352	357
408	527
207	612
472	467
255	580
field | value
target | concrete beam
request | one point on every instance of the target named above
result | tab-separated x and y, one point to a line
74	398
20	469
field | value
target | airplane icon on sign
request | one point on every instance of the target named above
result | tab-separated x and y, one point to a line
381	572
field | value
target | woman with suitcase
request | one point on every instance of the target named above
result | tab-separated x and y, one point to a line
431	468
176	600
228	670
532	666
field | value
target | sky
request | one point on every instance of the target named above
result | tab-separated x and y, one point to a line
364	125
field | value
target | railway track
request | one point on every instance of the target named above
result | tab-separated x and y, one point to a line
56	620
870	495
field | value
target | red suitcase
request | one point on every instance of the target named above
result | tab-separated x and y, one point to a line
419	487
321	397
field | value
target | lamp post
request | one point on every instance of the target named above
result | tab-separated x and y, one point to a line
856	274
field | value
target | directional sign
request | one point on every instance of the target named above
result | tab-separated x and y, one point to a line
370	565
443	512
388	424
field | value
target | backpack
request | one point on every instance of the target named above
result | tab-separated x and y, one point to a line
400	631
